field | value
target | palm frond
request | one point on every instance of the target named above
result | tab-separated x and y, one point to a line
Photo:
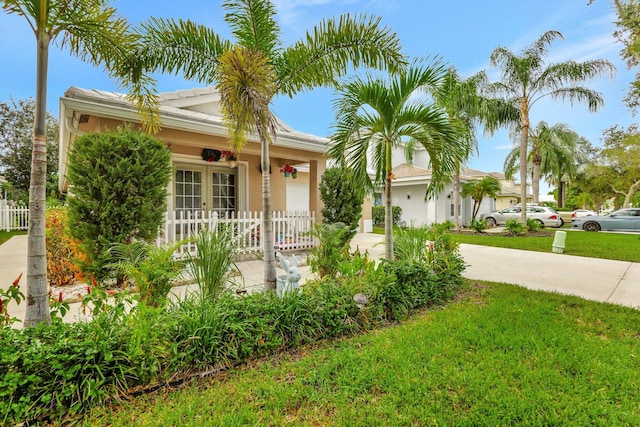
327	52
254	26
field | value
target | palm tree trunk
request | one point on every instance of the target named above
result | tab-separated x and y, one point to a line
523	164
267	220
388	221
456	198
535	181
388	212
37	291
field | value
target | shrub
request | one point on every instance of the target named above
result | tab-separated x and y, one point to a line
119	182
411	244
534	225
63	253
478	225
212	265
377	214
341	196
153	270
514	227
332	248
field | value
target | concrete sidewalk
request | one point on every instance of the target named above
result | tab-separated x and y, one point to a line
616	282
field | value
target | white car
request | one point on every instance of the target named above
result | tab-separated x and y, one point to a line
579	213
545	216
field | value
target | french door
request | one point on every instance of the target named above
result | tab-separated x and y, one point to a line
205	188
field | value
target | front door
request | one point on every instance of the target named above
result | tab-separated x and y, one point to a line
207	188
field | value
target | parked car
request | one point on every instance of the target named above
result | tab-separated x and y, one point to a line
627	219
579	213
547	217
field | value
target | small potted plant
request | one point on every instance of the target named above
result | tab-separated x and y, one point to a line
288	170
232	158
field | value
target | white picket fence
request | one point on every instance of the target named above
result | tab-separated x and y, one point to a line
14	218
291	229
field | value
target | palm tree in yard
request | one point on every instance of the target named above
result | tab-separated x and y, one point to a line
375	115
462	101
526	79
256	67
478	189
553	150
91	31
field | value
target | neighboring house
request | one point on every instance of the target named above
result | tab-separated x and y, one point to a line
202	183
408	191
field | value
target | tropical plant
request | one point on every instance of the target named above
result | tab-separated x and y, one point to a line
119	181
478	189
212	265
332	247
478	225
553	151
525	80
534	224
250	71
513	227
153	270
376	115
341	196
412	244
92	32
464	104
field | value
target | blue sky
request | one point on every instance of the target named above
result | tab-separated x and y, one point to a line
462	32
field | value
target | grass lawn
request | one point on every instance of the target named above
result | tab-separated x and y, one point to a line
500	355
6	235
623	247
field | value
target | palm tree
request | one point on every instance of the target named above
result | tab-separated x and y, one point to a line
91	31
526	80
552	151
375	115
478	189
250	71
462	101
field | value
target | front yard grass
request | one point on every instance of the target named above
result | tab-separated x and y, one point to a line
622	247
499	355
6	235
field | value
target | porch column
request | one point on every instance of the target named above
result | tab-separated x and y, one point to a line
316	169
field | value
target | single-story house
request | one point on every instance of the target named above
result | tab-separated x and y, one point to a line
204	184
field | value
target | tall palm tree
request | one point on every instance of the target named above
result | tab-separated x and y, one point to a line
463	102
91	31
478	189
525	80
552	150
375	115
256	67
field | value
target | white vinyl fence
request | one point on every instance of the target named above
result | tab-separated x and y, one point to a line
291	228
14	218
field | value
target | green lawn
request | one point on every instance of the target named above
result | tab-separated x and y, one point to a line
6	235
623	247
500	355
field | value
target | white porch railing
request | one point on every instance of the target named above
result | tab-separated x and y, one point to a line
14	218
291	229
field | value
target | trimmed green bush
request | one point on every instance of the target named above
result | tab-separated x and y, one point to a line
377	214
119	184
341	196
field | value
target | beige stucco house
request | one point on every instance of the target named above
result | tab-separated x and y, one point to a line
202	179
